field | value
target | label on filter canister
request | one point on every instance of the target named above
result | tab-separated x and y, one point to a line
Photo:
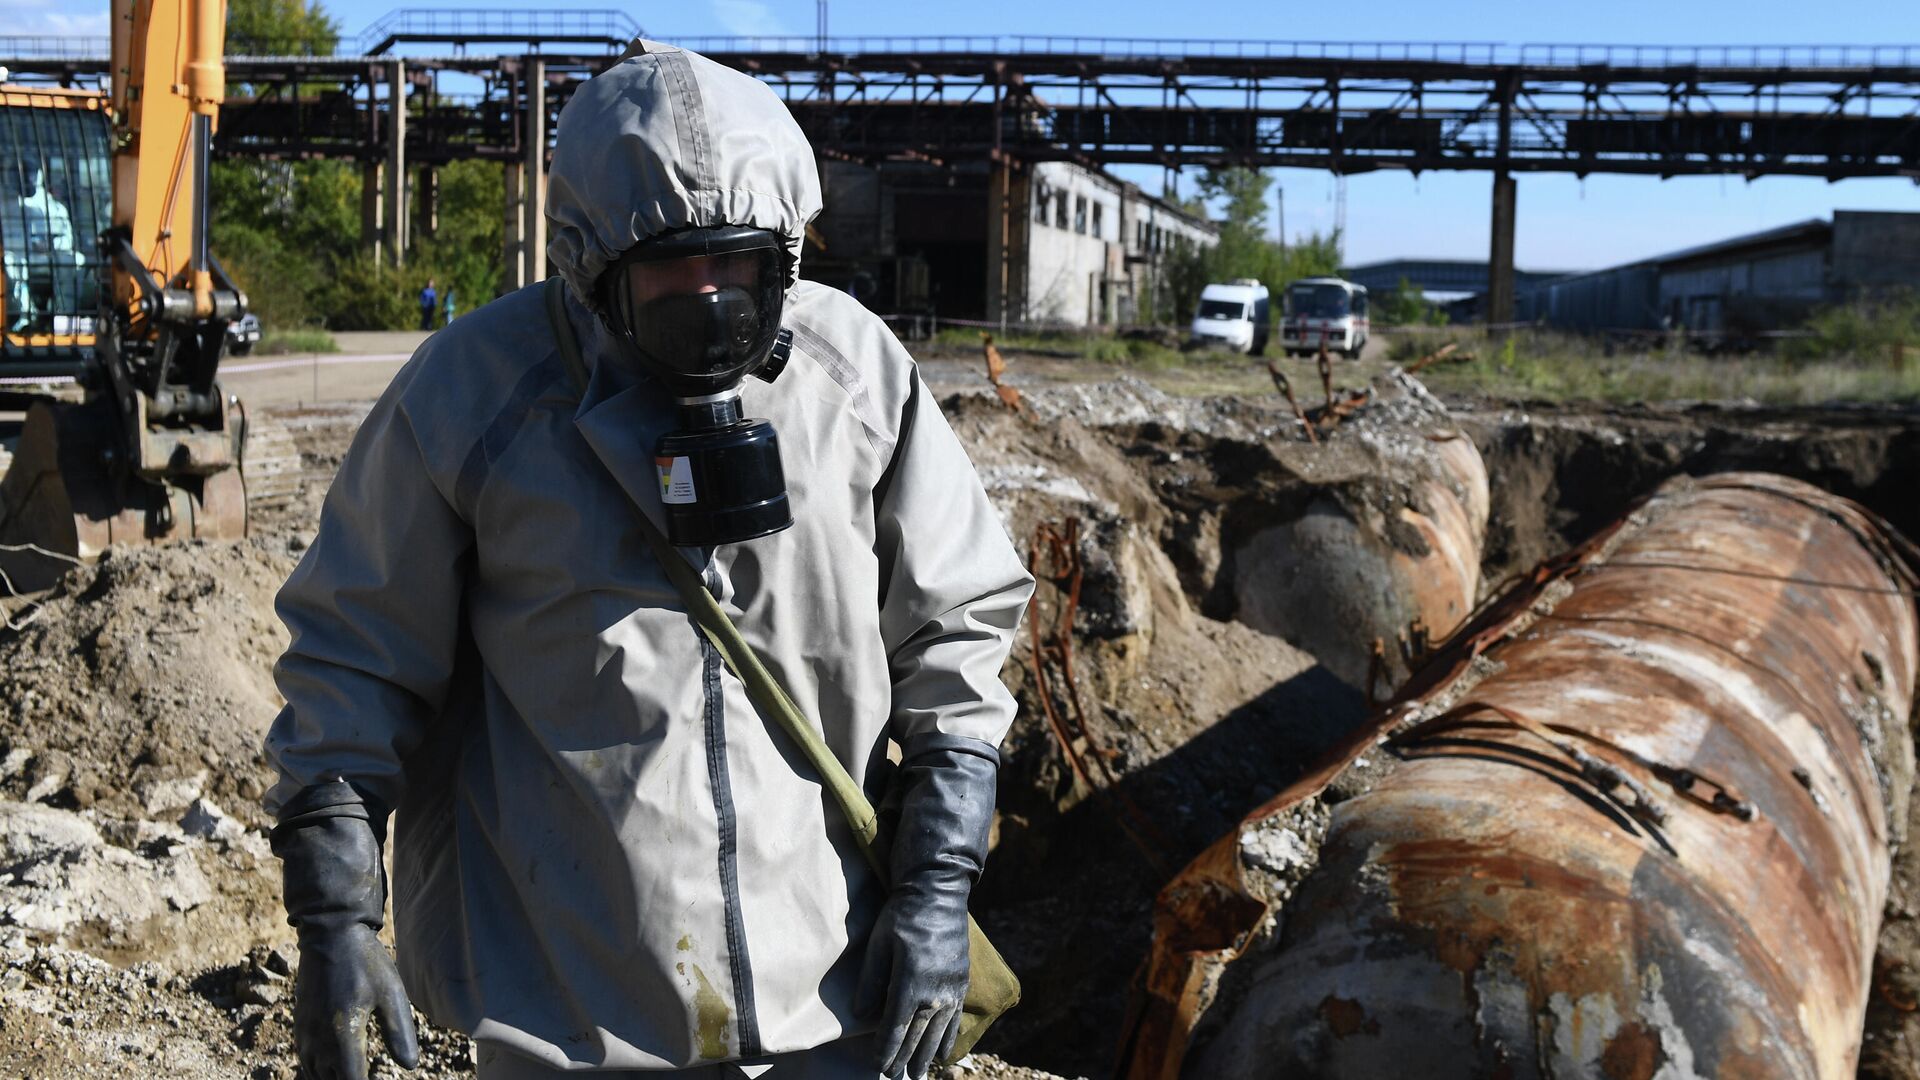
676	480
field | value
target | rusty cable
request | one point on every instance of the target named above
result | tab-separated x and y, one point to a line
1606	777
1603	774
1787	579
1055	653
1286	390
1042	650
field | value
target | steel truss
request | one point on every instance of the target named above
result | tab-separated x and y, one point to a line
1828	113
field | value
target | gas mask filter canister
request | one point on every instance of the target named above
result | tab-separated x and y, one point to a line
701	310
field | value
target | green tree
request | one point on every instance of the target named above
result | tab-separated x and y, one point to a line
280	28
1406	305
289	232
1245	249
1241	195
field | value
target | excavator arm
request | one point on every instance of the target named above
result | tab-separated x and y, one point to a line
164	317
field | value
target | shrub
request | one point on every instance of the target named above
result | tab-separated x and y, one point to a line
1878	330
304	339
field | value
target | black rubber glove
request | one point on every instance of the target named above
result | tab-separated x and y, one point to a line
336	893
917	957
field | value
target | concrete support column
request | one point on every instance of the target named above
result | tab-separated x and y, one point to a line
535	231
1500	249
1009	217
396	208
513	260
428	214
1500	253
999	257
370	209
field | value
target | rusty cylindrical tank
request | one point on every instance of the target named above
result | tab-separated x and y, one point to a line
1386	557
1653	842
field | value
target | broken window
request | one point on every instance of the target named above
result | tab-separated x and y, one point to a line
1080	214
1060	211
1097	209
1040	203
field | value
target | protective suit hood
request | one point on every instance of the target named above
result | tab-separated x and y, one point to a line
667	139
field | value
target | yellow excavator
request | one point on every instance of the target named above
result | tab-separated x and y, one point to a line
113	313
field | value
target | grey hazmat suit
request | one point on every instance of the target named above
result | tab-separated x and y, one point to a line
604	858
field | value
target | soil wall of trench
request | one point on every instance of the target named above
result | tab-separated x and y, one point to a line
139	909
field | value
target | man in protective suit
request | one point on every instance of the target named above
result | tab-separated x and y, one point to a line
605	859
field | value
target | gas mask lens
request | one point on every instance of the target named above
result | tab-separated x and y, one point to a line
701	322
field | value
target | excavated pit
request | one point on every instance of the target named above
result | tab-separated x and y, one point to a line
138	690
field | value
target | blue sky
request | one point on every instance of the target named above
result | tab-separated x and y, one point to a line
1564	222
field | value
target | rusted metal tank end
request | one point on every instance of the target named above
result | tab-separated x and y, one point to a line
1386	559
1646	834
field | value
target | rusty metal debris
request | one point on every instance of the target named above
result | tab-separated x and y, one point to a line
1341	407
997	367
1654	836
1444	353
1054	558
1414	645
1328	416
1285	387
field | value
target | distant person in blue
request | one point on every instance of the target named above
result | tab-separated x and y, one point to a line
429	302
448	308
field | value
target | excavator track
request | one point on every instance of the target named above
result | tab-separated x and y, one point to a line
270	464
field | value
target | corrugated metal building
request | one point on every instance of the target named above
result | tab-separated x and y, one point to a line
1739	287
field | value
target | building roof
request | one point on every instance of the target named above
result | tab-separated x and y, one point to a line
1436	275
1812	229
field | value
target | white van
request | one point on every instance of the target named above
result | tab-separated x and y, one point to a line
1234	315
1324	310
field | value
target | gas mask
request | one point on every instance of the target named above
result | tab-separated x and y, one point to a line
700	309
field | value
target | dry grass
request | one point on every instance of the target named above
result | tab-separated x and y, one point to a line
1527	365
1558	367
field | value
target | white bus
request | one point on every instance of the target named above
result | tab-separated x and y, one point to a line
1324	311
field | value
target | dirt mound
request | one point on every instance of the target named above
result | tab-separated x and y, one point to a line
145	679
72	1016
1564	471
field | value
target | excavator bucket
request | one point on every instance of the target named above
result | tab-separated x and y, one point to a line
62	500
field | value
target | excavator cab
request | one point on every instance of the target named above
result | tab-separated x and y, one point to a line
56	195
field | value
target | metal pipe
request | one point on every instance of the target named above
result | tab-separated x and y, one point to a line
1652	839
